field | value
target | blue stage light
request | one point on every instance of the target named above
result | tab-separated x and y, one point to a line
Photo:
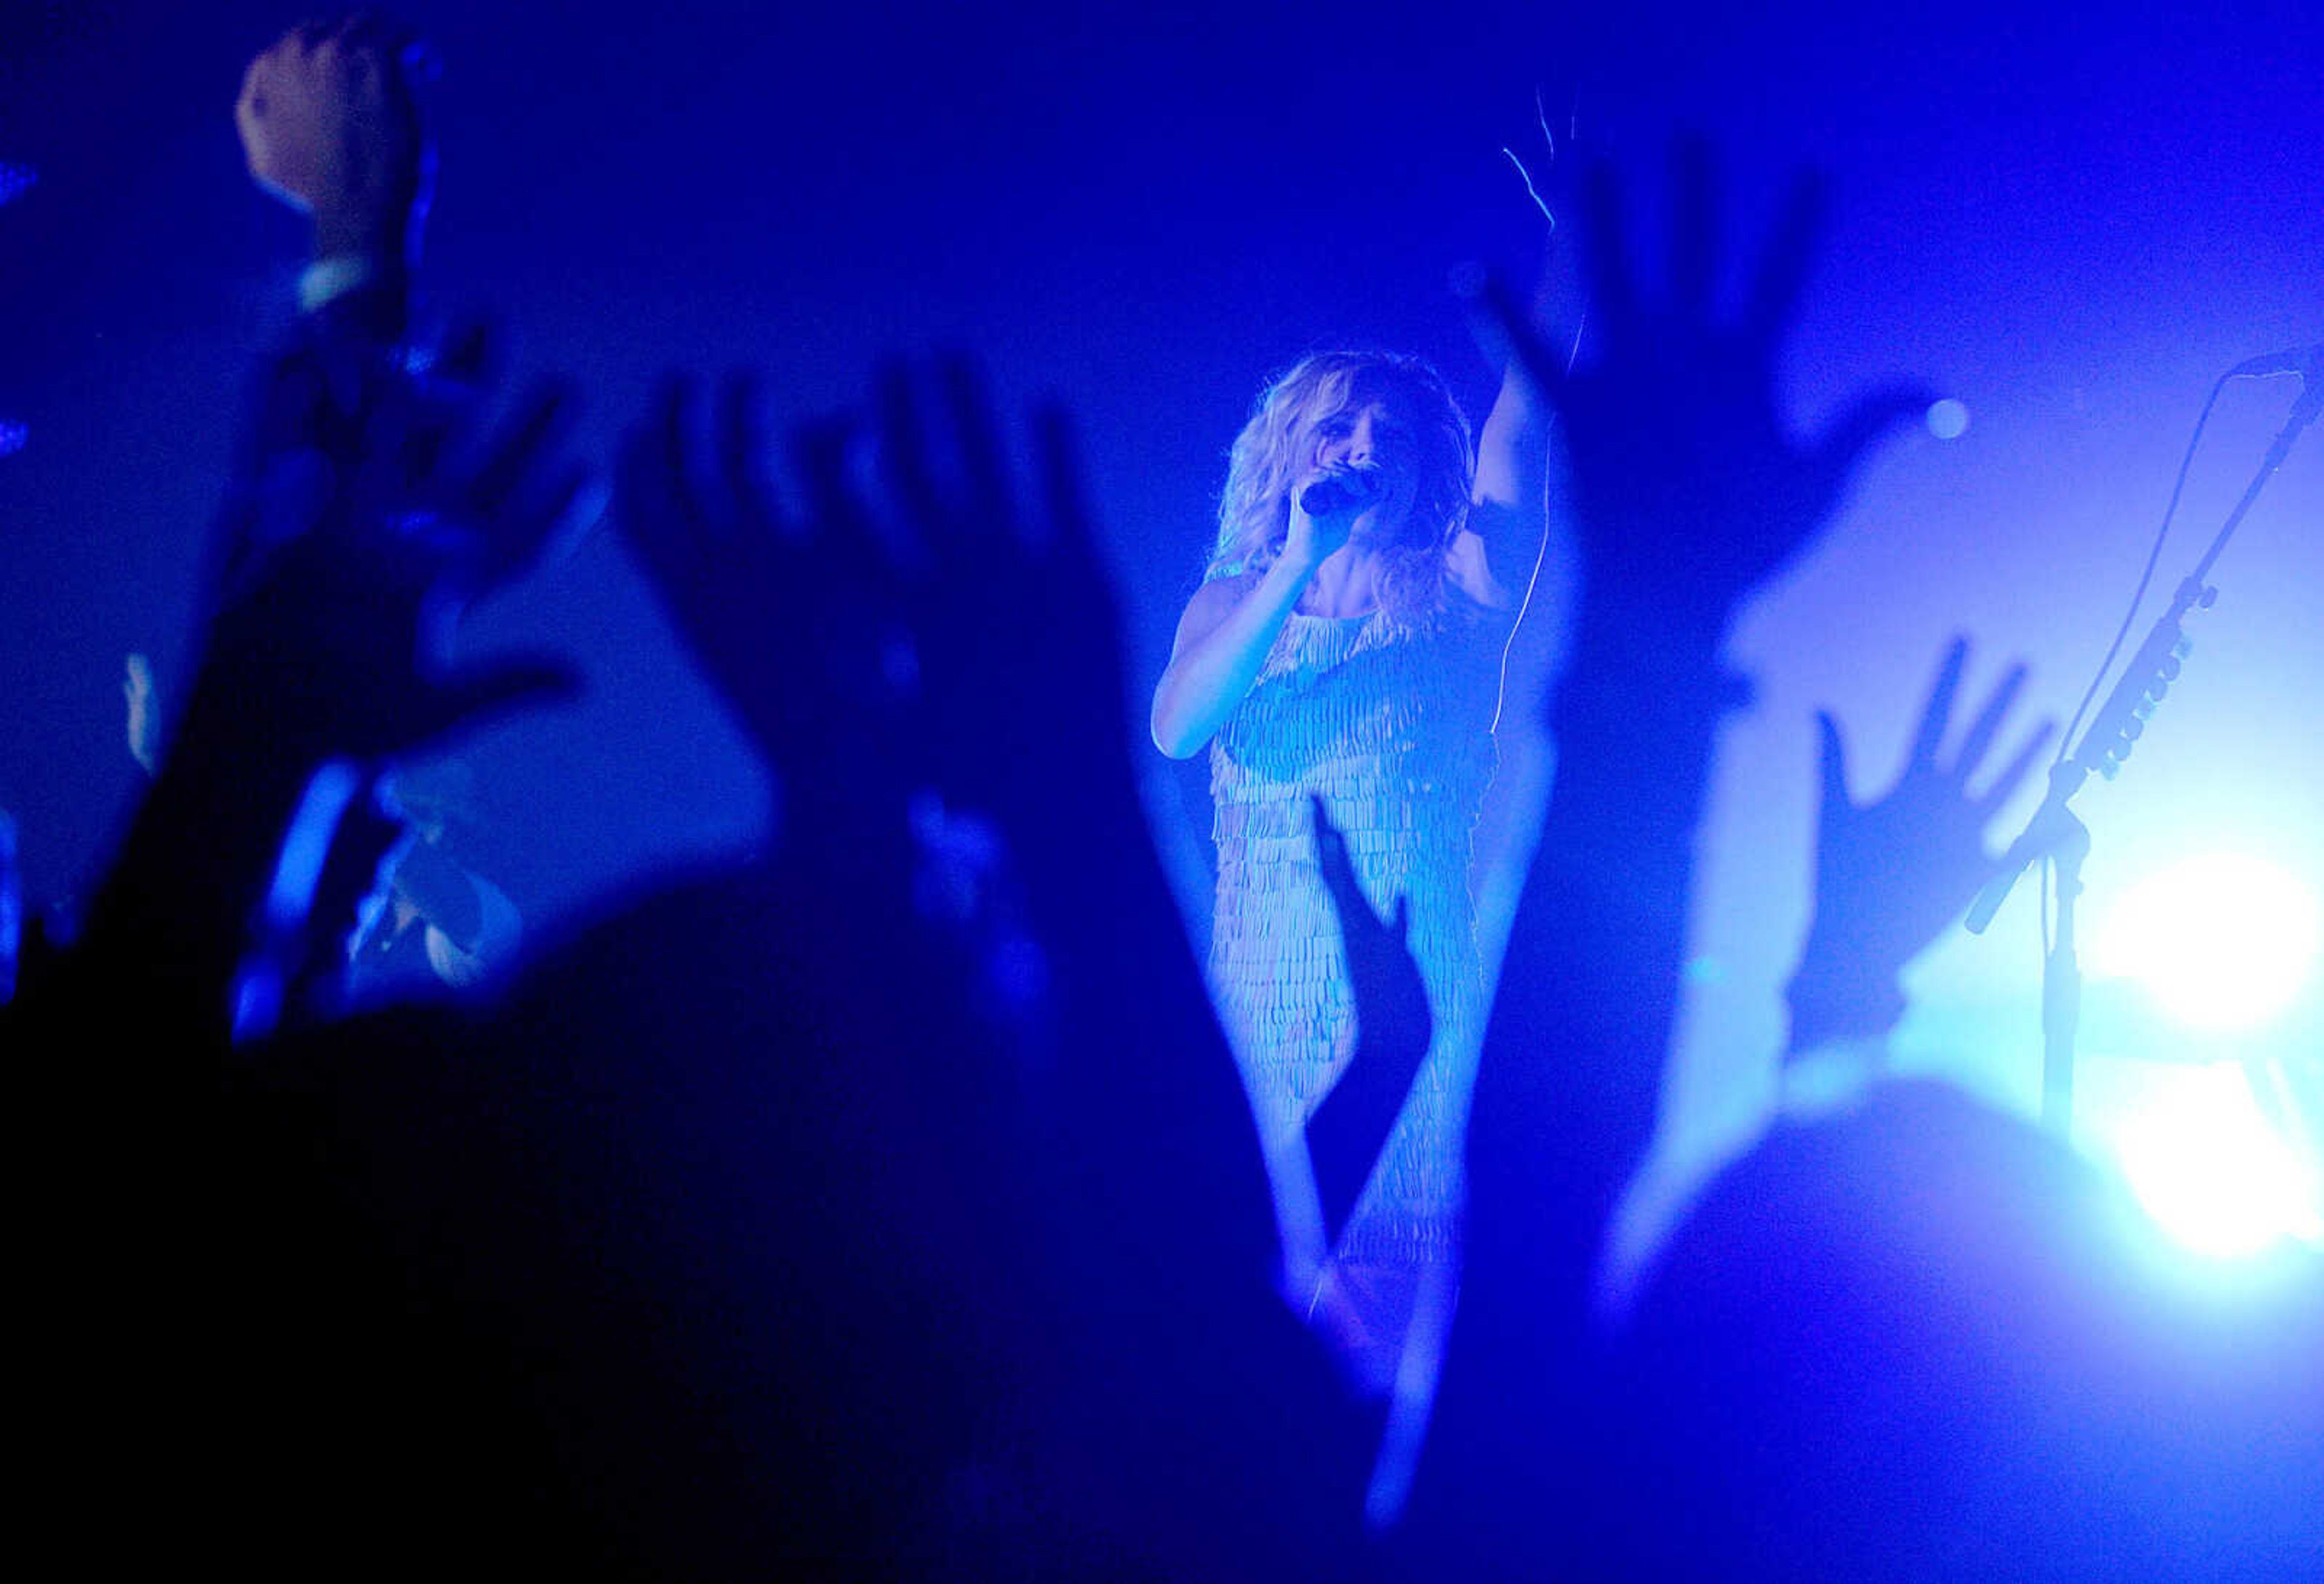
2223	943
15	179
2216	1176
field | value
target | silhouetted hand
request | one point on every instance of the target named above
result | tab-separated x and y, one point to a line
1021	661
1685	492
1892	874
355	566
1394	1024
329	125
798	623
353	556
1685	495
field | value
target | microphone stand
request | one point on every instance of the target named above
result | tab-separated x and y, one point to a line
2056	834
2061	979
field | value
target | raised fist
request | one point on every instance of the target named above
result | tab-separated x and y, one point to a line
329	125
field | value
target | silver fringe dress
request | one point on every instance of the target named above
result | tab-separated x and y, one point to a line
1391	722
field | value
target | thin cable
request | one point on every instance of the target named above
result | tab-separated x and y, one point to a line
2129	619
1532	191
1581	319
2146	575
1549	142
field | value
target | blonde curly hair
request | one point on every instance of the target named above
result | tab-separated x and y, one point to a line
1268	456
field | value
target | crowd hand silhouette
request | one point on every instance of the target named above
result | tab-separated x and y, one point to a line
1685	495
1893	873
1020	670
1351	1125
329	123
905	630
1144	1134
1019	667
914	629
798	620
1685	492
336	643
1014	615
331	646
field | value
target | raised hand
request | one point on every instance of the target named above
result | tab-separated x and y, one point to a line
1892	874
1685	490
1015	616
352	557
1394	1024
798	623
329	123
1685	495
353	567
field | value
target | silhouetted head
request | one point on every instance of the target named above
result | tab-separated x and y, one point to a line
1922	1339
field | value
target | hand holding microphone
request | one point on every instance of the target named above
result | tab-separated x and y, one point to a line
1342	492
1327	508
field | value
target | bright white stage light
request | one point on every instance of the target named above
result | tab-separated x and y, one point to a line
2225	942
2209	1169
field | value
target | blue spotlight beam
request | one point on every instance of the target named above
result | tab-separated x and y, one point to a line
2054	831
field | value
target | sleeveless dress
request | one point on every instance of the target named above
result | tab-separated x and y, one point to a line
1391	722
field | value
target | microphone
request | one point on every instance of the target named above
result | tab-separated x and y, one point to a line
2307	361
1347	488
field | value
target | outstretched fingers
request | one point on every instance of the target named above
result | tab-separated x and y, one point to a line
1937	714
840	525
951	478
1695	228
470	357
655	518
441	402
2004	787
1832	761
904	451
1867	421
742	440
1338	869
1065	497
1775	292
1613	287
525	496
1982	730
976	437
